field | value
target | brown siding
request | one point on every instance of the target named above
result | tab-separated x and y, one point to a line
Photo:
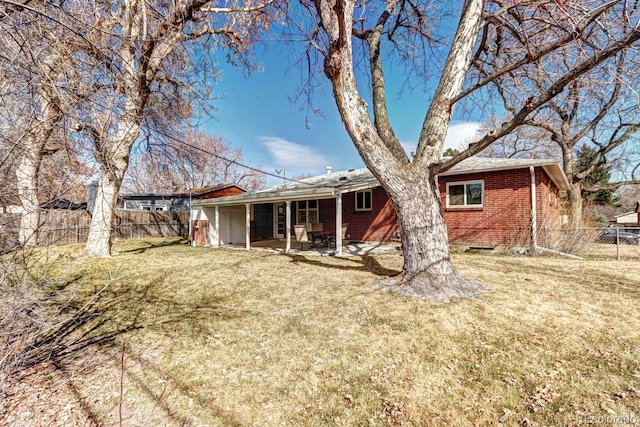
223	192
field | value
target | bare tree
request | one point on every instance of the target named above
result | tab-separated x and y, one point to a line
601	110
340	29
629	197
182	164
34	71
523	143
141	58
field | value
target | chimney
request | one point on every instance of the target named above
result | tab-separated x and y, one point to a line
329	169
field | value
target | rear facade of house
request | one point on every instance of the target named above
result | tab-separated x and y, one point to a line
481	208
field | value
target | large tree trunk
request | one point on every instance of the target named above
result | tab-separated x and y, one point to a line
114	163
574	206
27	183
427	271
99	241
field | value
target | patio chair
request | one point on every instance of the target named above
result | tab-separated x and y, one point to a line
300	230
332	238
318	237
316	226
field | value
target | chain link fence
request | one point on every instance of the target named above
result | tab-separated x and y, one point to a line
621	243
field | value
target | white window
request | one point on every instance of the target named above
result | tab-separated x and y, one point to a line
307	211
363	200
153	207
465	194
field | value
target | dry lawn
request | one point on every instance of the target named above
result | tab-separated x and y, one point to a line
230	338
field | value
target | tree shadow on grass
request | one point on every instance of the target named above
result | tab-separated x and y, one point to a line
78	323
176	241
367	264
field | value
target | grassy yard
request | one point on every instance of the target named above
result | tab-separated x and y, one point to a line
227	337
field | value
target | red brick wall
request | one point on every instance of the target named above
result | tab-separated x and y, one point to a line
378	225
548	204
505	217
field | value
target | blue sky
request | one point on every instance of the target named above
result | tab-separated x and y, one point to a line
257	115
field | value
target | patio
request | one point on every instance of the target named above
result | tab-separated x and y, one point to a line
350	249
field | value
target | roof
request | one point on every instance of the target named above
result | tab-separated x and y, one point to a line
210	188
330	185
489	164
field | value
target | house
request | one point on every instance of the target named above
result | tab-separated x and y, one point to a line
60	203
629	218
176	201
485	202
626	218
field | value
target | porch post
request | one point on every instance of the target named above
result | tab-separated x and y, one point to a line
216	226
287	225
247	227
339	224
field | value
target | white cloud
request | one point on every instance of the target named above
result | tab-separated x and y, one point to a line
461	134
294	156
409	146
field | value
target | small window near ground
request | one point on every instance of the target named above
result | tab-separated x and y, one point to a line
465	194
363	200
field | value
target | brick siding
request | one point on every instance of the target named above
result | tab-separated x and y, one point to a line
505	217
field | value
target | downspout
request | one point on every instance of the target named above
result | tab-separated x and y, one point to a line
534	223
534	212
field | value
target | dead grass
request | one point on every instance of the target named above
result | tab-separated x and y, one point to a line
226	337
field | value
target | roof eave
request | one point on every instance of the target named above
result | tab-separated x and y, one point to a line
557	175
250	198
553	169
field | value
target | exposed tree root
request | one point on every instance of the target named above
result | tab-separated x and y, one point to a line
437	288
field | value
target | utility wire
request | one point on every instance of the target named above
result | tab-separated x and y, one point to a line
230	160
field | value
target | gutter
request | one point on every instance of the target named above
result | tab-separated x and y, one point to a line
534	224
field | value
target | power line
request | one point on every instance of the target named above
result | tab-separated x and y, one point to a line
230	160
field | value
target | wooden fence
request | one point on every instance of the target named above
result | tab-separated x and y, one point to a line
59	227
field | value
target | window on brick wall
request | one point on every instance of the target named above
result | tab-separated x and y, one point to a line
307	211
465	194
363	200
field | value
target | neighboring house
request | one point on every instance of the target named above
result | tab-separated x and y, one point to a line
176	201
485	201
629	218
60	203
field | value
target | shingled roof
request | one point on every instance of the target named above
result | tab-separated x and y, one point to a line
329	185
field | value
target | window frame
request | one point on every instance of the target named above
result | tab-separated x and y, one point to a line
466	205
153	208
307	209
364	208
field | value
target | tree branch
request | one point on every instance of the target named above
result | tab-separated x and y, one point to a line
381	116
529	57
610	186
534	103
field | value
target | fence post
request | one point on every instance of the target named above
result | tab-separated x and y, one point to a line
618	243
